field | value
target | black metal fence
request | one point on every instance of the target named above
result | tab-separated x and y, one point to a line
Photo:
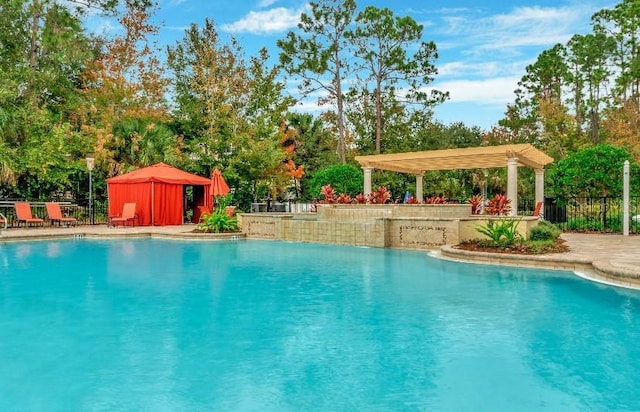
599	214
97	214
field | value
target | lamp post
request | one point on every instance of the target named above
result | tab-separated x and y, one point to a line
90	163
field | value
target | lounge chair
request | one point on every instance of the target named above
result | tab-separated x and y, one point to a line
55	215
128	215
23	214
3	221
538	212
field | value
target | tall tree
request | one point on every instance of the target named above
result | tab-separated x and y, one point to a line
322	49
542	82
363	113
263	154
622	25
211	89
587	55
125	82
382	42
314	150
42	52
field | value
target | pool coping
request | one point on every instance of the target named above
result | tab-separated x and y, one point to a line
118	235
601	271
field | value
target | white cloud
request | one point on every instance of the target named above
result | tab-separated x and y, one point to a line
535	15
459	68
483	56
494	91
522	27
535	26
482	69
265	22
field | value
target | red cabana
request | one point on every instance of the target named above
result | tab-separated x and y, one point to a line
158	192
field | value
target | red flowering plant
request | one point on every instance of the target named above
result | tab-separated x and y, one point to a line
329	195
476	204
437	200
498	206
360	199
412	201
344	199
380	196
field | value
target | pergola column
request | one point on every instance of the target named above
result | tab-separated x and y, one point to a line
367	180
539	185
512	184
419	183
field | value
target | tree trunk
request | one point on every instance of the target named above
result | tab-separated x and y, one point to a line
340	119
378	114
35	25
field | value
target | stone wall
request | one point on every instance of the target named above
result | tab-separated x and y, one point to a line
357	233
416	233
353	212
259	225
350	226
468	227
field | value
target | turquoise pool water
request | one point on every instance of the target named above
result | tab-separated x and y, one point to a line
164	325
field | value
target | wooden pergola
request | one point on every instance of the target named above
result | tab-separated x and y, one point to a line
510	156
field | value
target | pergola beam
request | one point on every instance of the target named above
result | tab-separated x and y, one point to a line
391	167
484	157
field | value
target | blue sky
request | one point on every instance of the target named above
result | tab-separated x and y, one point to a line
484	47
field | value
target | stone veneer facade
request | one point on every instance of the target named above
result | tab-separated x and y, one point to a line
396	226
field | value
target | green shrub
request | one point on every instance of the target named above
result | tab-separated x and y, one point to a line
342	178
544	231
502	232
537	247
218	222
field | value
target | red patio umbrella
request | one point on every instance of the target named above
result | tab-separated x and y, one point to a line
218	186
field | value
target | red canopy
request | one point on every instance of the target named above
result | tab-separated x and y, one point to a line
158	193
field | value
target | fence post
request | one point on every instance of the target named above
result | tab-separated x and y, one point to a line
625	199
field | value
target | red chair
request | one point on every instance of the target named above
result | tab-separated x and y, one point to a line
538	211
128	215
55	215
23	214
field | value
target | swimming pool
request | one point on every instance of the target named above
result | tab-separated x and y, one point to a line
150	324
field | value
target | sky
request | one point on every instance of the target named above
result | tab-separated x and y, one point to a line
484	47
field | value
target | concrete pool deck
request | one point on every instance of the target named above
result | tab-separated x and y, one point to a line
608	258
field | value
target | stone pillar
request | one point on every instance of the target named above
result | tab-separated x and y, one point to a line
512	184
539	185
419	183
367	180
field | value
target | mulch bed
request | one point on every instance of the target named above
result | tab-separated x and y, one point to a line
522	249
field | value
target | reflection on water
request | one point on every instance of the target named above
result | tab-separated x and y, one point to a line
22	250
128	248
53	249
